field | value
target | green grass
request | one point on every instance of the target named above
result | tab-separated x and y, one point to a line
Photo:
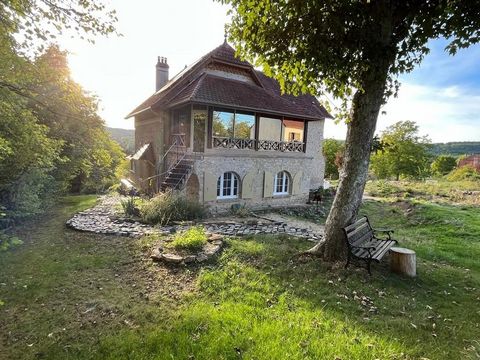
438	190
191	239
258	301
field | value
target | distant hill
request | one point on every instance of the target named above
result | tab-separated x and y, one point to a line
456	148
125	137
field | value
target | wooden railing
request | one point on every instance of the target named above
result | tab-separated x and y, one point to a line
253	144
233	143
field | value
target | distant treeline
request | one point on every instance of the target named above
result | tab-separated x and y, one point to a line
456	148
124	137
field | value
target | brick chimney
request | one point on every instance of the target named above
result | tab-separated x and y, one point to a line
161	73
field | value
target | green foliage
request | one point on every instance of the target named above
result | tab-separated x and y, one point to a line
130	207
381	188
240	210
192	239
404	153
443	164
336	46
464	173
51	138
167	207
38	22
331	150
8	241
440	190
124	137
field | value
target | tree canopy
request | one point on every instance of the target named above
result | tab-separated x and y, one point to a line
51	138
332	149
353	50
443	164
404	152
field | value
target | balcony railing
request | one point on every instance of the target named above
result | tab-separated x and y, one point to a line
253	144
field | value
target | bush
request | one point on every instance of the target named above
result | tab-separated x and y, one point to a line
464	173
8	242
168	207
129	207
241	211
381	188
191	239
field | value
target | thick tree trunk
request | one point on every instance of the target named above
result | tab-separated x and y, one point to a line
353	174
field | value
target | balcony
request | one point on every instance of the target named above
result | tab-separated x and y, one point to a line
253	144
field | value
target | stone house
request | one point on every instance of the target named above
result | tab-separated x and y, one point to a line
472	160
221	132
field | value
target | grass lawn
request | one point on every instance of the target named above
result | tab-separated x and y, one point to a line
70	295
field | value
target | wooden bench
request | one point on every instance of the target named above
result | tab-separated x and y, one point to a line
363	243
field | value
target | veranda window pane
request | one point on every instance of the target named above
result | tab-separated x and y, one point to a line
244	126
223	123
270	129
293	130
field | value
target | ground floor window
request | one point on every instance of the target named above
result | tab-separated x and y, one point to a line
227	186
282	182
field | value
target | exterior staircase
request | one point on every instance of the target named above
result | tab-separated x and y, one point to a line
176	178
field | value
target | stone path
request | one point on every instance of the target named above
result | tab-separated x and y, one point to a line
102	219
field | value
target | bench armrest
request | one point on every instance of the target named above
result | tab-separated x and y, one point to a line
385	231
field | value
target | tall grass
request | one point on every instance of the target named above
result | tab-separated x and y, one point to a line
168	207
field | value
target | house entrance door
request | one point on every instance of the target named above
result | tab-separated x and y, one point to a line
199	130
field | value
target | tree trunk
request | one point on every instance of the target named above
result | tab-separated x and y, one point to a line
353	174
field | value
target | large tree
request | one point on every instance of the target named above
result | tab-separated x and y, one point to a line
353	50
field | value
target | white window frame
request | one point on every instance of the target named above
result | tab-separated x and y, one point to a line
285	183
231	193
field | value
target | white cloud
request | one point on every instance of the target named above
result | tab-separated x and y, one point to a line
444	114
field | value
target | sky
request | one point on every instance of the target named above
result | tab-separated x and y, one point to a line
442	95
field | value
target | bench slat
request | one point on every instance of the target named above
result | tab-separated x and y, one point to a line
358	229
356	224
382	251
361	240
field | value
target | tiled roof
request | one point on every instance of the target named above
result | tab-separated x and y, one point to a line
193	85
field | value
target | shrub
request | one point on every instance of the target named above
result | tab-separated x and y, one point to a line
7	241
463	173
129	207
443	164
191	239
240	210
168	207
381	188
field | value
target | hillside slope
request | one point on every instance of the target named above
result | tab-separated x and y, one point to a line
125	137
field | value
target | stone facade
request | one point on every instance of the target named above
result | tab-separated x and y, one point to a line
256	171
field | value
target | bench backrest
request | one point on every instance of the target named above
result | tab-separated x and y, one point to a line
359	232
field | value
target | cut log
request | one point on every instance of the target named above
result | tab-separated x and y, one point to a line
403	261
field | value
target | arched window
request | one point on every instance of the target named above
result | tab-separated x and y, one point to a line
228	186
281	184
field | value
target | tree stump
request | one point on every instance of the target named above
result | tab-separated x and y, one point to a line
403	261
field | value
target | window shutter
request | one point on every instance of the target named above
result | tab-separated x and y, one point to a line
297	183
247	186
209	187
268	185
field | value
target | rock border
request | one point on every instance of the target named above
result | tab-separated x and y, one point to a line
102	219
